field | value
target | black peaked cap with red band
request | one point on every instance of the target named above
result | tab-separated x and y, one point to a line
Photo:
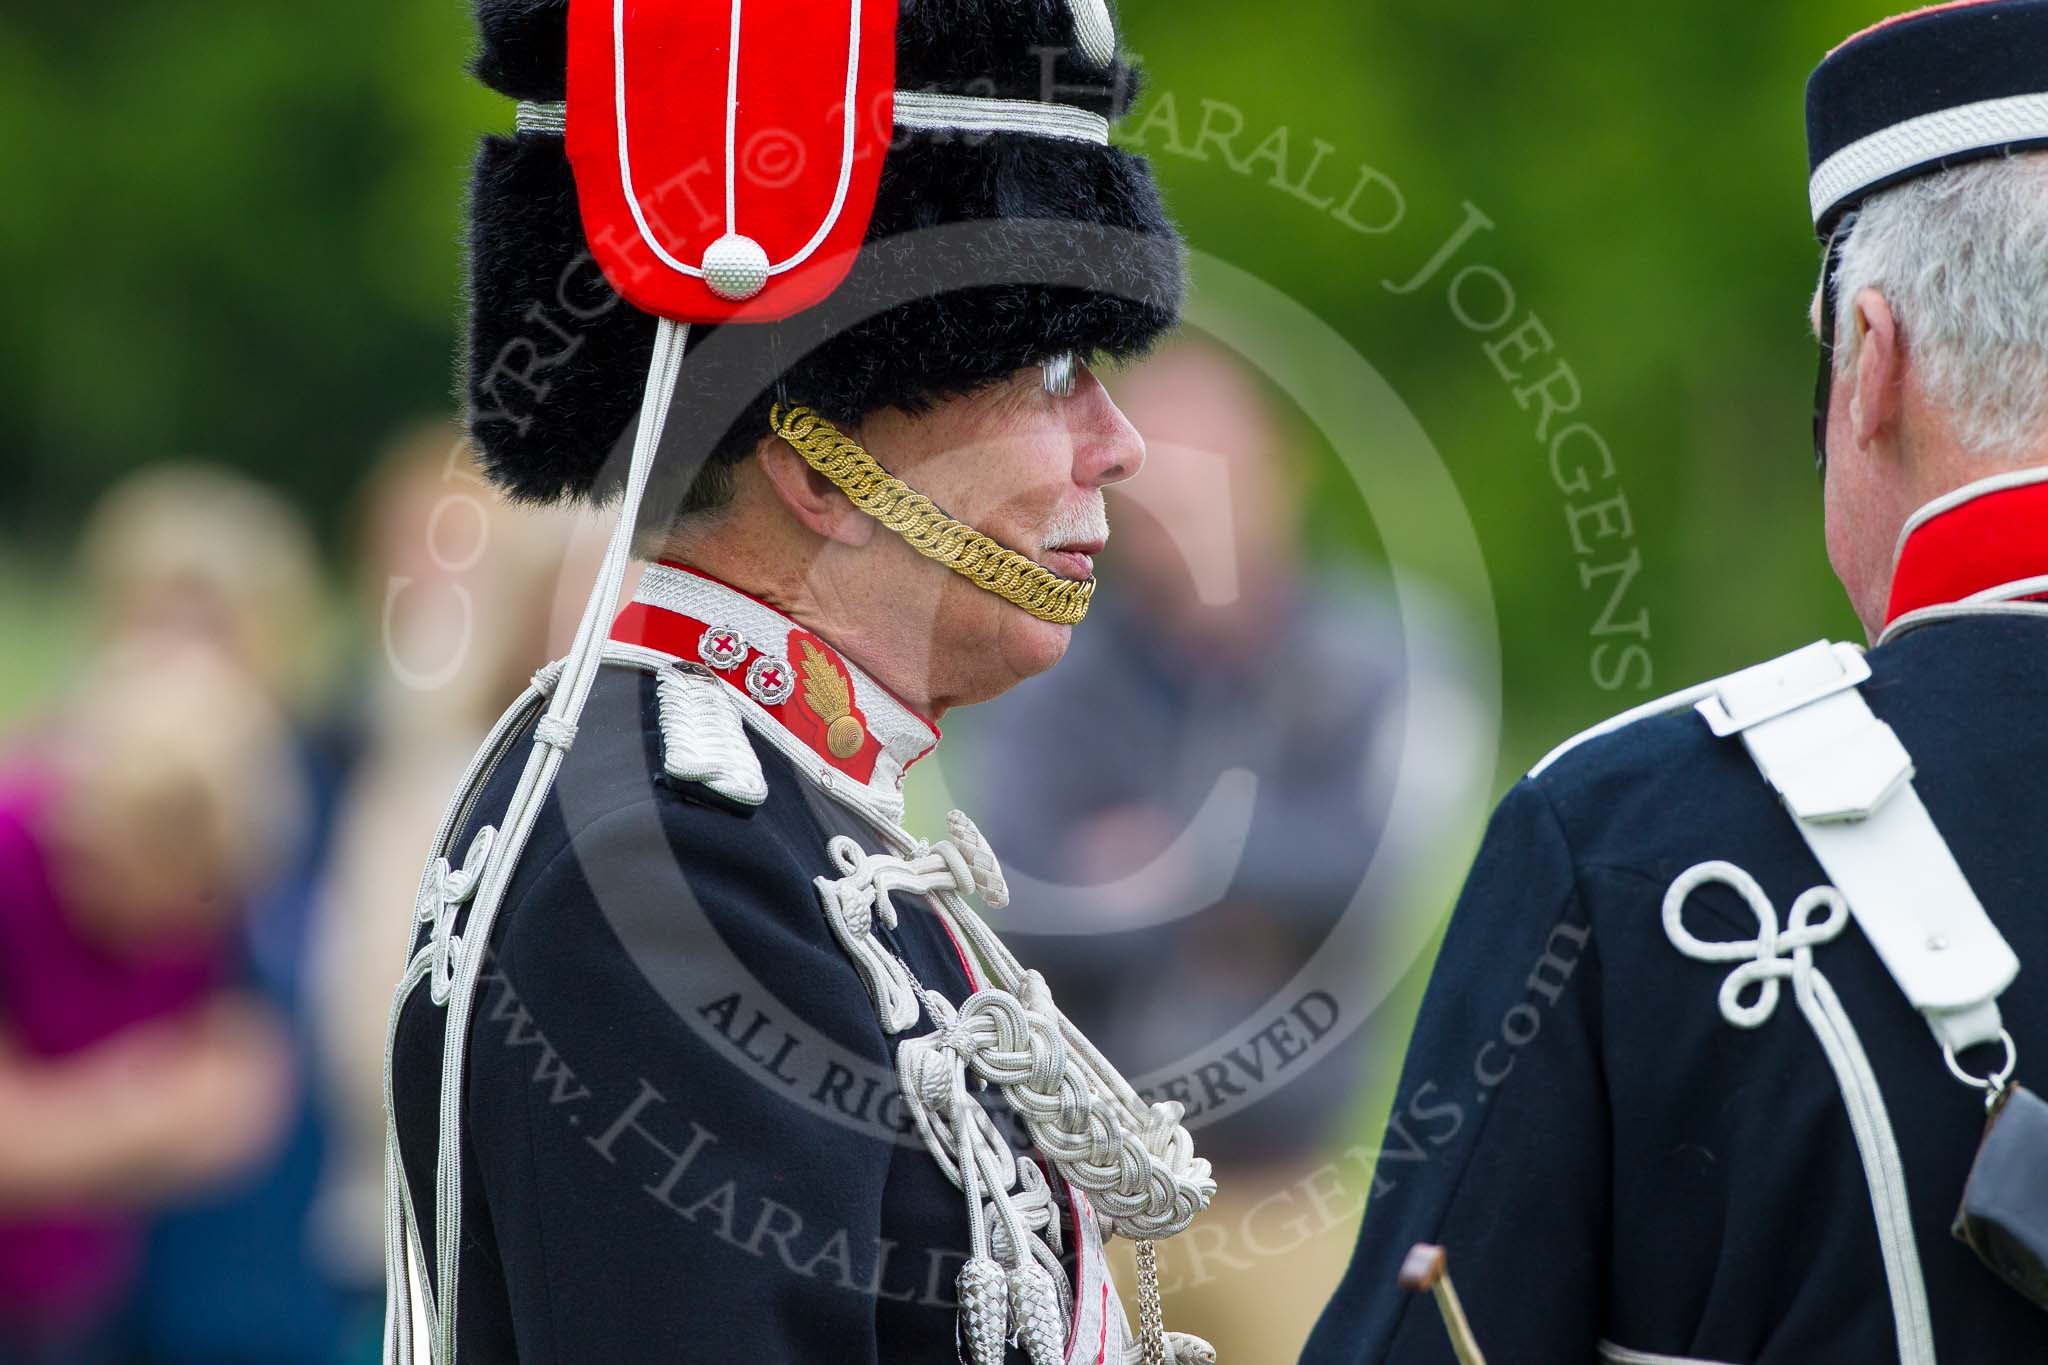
983	253
1921	92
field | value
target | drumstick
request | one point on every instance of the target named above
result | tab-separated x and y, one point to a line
1425	1270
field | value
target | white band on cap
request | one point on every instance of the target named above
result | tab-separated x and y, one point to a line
915	109
531	117
919	110
1930	137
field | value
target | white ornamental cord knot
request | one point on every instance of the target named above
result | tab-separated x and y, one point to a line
1762	966
443	894
1016	1226
1134	1159
986	873
860	897
554	732
934	1080
925	1074
1140	1168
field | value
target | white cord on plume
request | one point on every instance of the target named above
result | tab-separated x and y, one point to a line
553	733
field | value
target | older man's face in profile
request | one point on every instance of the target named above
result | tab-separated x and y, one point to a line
1025	467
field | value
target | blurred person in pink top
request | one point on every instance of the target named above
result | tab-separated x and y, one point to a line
148	810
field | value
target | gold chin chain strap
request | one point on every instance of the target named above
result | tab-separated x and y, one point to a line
926	529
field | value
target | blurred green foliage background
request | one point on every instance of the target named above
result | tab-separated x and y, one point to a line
232	231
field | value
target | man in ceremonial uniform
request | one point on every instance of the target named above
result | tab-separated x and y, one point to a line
698	1055
1704	1068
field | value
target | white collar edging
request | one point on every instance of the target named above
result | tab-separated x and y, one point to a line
2001	599
903	734
1968	493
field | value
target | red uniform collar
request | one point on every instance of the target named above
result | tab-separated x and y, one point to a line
820	697
1986	541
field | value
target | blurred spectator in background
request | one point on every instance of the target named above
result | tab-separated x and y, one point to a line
134	829
446	584
190	552
1190	802
205	557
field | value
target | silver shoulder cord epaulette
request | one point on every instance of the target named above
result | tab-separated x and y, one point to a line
1846	780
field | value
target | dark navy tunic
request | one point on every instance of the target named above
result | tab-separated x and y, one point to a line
662	1162
1604	1156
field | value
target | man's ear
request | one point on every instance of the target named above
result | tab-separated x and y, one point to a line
810	497
1880	368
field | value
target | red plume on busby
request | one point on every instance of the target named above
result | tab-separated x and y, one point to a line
872	203
728	172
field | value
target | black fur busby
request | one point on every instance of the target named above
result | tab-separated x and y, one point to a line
987	253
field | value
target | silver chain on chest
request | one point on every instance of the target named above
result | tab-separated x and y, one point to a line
1151	1320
